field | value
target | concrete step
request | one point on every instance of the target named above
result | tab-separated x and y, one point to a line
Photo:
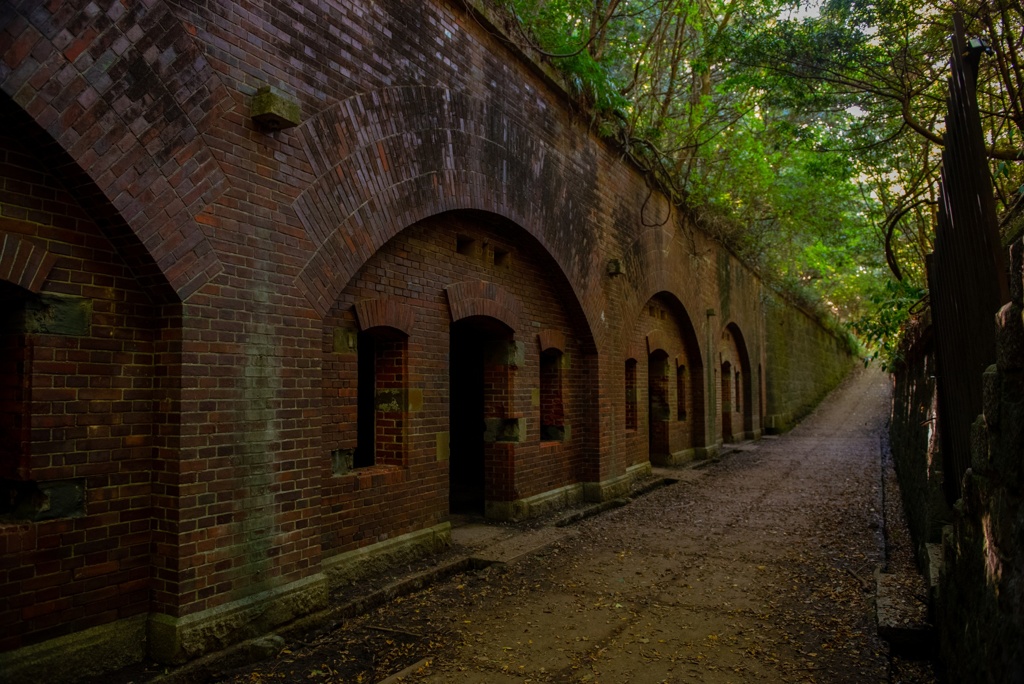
901	609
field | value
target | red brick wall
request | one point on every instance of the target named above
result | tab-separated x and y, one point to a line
416	266
739	393
552	410
391	437
88	408
224	290
632	408
664	326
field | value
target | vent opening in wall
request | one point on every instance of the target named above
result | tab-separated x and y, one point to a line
466	245
502	258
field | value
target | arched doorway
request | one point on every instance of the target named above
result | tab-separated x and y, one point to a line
760	398
480	383
674	383
736	383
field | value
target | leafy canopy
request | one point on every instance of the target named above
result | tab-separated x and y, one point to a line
806	138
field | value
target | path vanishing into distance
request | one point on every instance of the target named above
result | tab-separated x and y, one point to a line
756	567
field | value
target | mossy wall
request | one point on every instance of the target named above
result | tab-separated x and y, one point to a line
980	603
805	362
913	439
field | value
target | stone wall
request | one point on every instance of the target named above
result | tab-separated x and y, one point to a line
805	362
980	603
914	439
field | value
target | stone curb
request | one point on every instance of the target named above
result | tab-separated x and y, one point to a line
212	667
598	508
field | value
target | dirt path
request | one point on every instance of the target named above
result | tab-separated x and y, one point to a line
755	568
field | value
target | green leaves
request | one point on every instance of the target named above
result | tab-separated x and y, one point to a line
809	144
892	303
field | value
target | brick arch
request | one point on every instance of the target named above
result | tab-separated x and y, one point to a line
551	339
741	344
24	262
656	339
385	312
649	265
133	152
641	345
481	298
385	160
745	372
681	314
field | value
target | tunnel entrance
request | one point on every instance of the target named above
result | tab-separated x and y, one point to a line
478	392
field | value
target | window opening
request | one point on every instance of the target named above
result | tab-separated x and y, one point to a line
680	392
737	395
381	402
552	412
366	441
14	359
465	245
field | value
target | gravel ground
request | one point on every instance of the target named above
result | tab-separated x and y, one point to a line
757	567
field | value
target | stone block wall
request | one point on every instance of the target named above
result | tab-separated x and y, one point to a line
805	361
980	603
914	439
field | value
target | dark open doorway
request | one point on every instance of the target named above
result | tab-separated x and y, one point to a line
476	391
727	400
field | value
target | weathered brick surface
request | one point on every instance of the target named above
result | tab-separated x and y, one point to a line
436	178
85	411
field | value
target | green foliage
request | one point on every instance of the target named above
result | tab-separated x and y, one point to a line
561	28
810	144
881	328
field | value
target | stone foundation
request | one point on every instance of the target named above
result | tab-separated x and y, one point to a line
175	640
355	565
90	652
